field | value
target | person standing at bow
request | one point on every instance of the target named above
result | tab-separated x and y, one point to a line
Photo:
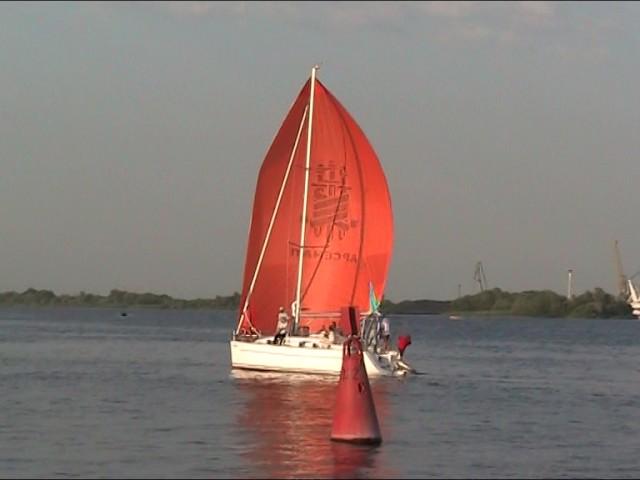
385	333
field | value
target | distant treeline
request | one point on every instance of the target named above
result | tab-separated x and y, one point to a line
534	303
544	303
116	298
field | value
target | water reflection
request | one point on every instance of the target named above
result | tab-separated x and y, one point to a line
287	419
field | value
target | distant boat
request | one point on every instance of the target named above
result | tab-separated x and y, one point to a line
454	317
320	242
634	299
124	314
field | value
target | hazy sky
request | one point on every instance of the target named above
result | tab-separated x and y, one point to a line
131	135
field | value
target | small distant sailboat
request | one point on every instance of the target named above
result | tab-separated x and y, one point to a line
634	299
320	243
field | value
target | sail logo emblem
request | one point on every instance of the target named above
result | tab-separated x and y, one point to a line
330	201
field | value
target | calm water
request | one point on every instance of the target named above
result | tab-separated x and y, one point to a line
88	393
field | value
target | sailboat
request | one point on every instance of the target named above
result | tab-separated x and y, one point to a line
319	247
634	299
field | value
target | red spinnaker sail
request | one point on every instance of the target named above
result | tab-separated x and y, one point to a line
349	223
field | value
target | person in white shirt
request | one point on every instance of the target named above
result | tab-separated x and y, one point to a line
385	332
335	333
281	327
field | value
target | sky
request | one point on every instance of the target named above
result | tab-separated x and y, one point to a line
131	134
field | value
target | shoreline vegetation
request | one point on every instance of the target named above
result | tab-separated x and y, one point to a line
494	302
116	299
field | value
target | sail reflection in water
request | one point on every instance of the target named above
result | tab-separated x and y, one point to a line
287	420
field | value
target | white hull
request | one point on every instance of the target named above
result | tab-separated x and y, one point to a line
300	356
634	299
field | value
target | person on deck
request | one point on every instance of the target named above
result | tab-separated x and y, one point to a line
403	342
281	327
335	333
324	331
385	333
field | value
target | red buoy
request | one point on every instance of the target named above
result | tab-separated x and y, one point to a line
354	417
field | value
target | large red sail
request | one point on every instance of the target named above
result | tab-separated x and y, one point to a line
349	223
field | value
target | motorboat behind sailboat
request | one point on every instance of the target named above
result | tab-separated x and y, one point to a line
634	299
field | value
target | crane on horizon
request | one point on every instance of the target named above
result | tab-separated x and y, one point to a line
480	277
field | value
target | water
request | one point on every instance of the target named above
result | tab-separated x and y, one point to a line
89	393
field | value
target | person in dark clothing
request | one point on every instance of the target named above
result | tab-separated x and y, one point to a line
281	327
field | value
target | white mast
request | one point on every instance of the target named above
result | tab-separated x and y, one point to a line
271	221
296	320
569	284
